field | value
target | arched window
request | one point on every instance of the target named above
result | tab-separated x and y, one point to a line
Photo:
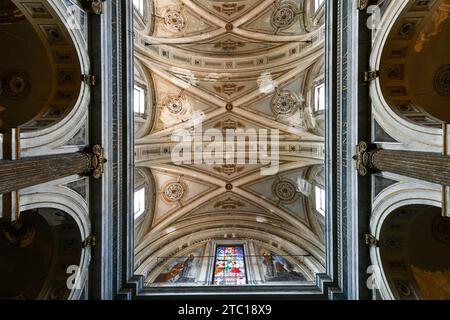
139	100
229	266
139	5
317	4
139	203
319	97
320	200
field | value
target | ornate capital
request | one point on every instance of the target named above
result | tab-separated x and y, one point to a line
371	75
96	161
371	240
89	242
94	6
364	4
364	156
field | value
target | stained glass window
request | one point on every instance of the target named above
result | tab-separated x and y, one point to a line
229	268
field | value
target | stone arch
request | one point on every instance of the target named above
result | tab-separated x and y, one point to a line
397	105
43	264
390	201
53	97
225	226
414	242
63	199
150	266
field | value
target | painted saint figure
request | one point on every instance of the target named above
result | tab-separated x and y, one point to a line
178	272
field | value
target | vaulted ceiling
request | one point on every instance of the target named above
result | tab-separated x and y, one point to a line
245	64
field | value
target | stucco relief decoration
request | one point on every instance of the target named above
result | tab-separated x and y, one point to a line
229	88
229	169
285	190
442	81
15	84
53	34
229	45
284	16
174	191
403	288
284	103
175	109
229	204
175	105
174	20
229	8
406	29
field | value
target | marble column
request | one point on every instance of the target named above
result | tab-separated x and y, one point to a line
26	172
431	167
